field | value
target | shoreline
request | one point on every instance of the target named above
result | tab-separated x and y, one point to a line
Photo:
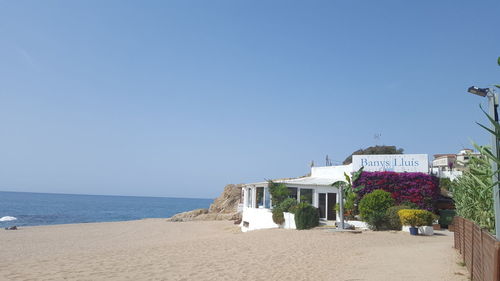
20	227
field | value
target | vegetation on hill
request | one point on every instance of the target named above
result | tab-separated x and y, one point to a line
378	149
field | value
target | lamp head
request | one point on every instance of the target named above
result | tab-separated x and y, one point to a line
478	91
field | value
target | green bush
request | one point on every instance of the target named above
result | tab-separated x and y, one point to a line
377	221
350	209
473	193
279	192
278	216
409	204
445	184
350	195
293	209
373	207
306	216
349	206
289	205
392	217
430	217
416	218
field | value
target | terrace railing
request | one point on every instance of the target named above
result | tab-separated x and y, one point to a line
479	249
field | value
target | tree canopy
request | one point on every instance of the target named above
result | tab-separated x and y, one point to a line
378	149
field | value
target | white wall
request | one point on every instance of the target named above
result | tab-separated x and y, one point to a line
257	219
289	221
452	175
263	219
333	172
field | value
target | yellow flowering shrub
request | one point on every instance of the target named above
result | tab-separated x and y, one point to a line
416	218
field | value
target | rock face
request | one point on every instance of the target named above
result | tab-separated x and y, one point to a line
188	216
225	207
228	201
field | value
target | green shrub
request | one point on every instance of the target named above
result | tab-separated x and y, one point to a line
373	207
445	184
473	193
416	217
377	221
429	217
409	204
350	195
293	209
278	216
446	217
289	205
350	209
306	216
393	220
279	192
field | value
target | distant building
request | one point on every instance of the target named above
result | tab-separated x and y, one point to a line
452	165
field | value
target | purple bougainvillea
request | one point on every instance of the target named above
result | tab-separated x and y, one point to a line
418	188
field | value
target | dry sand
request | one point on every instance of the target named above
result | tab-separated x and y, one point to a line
154	249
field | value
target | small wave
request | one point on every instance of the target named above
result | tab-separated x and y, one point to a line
8	218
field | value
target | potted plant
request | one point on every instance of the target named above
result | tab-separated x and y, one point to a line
416	219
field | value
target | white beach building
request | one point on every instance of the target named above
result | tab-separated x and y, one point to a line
316	189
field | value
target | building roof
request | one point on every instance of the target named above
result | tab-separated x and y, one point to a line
444	155
311	181
320	176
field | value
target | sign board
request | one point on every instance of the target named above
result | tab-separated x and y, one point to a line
394	163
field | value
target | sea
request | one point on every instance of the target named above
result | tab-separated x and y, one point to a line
30	209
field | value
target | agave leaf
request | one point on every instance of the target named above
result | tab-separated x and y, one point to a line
479	181
487	129
487	152
495	123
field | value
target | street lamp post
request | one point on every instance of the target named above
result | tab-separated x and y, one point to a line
341	200
493	105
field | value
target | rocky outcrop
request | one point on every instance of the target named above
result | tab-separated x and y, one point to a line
225	207
189	216
228	201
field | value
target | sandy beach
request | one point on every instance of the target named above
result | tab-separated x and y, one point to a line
155	249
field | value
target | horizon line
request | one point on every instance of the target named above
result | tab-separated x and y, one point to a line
58	193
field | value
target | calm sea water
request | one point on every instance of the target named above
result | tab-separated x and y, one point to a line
45	208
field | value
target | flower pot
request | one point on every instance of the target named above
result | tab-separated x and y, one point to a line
414	230
426	230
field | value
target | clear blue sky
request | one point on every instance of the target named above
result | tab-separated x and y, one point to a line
179	98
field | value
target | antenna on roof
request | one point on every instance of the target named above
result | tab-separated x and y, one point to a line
328	161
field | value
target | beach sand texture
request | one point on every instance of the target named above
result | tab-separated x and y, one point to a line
155	249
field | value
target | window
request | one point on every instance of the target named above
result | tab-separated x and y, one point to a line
306	195
260	197
267	203
249	198
292	192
